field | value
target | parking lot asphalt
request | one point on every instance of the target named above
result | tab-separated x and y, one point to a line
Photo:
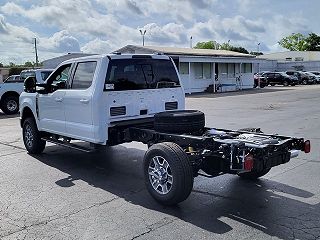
65	194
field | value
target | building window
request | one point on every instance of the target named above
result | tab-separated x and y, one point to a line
246	68
202	70
298	59
231	68
184	68
206	70
223	68
288	59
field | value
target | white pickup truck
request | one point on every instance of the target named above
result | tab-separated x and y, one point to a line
13	87
111	99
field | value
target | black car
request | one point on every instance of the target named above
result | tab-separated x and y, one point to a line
258	77
302	77
280	78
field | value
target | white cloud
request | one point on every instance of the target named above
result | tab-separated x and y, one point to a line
97	46
105	25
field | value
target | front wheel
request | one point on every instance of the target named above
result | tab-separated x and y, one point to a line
285	83
32	137
10	105
253	175
168	173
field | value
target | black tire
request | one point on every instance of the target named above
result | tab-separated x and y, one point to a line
272	84
179	171
181	121
253	175
10	105
32	137
285	83
293	84
262	85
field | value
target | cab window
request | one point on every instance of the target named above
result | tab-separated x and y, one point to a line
83	75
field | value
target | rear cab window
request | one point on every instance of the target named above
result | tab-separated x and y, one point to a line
137	74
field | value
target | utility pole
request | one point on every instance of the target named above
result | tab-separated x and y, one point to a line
259	66
142	34
36	51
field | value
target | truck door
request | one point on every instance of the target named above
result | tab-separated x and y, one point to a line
51	104
78	102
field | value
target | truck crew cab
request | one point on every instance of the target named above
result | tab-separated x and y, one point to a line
112	99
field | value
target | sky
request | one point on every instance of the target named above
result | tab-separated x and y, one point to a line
102	26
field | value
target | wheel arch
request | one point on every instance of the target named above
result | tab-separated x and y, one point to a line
26	112
9	93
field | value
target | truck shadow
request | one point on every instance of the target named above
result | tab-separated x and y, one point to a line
216	205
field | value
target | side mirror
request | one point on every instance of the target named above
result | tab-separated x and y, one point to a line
30	84
61	85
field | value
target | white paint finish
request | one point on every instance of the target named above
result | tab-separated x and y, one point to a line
51	112
85	114
78	111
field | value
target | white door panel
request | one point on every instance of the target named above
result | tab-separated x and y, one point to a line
78	110
51	112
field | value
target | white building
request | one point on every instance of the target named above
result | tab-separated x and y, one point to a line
200	68
291	60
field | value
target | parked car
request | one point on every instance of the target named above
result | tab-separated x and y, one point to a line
12	78
280	78
257	78
13	87
312	76
40	74
317	74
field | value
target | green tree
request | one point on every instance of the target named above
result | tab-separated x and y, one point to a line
1	64
28	64
208	45
312	42
294	42
239	49
218	46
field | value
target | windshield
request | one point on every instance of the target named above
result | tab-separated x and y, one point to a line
135	74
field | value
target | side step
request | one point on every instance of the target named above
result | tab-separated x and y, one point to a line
68	145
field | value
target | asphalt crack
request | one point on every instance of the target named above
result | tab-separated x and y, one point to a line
45	222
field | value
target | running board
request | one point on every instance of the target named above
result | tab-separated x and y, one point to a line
68	145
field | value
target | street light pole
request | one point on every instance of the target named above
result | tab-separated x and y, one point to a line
258	67
142	34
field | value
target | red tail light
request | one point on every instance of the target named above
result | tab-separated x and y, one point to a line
248	162
307	146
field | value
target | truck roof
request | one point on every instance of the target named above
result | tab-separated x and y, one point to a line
118	56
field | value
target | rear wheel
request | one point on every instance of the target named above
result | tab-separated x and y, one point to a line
285	83
32	137
10	105
254	174
168	173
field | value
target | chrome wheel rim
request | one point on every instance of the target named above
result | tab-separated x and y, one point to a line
160	175
28	136
12	105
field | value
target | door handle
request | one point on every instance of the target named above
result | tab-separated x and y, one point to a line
58	99
84	101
